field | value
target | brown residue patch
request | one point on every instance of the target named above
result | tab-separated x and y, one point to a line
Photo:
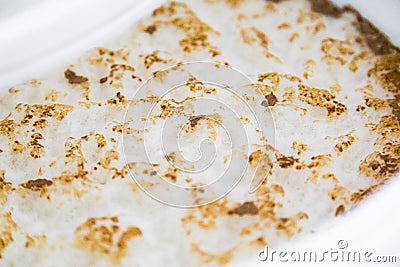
37	149
381	166
277	189
103	80
286	161
247	208
14	90
331	177
344	142
118	128
314	96
362	194
254	159
129	233
384	162
294	36
110	156
338	192
152	58
367	90
37	185
308	16
7	127
34	83
167	109
289	95
100	140
171	174
104	57
284	25
395	105
386	71
104	236
376	103
300	148
123	172
5	188
271	82
17	147
56	111
326	7
313	178
36	241
118	99
387	124
194	84
196	31
195	119
321	98
212	121
320	160
264	103
259	161
340	210
360	108
168	10
316	162
116	74
289	225
74	154
73	178
205	257
263	213
353	63
204	217
377	41
271	99
151	29
267	203
320	26
85	90
253	35
234	3
73	78
309	68
52	96
8	226
336	51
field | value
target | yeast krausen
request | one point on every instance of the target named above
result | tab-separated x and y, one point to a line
122	158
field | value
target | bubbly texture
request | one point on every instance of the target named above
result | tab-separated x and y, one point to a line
330	79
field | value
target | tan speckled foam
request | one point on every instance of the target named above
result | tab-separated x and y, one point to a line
66	195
